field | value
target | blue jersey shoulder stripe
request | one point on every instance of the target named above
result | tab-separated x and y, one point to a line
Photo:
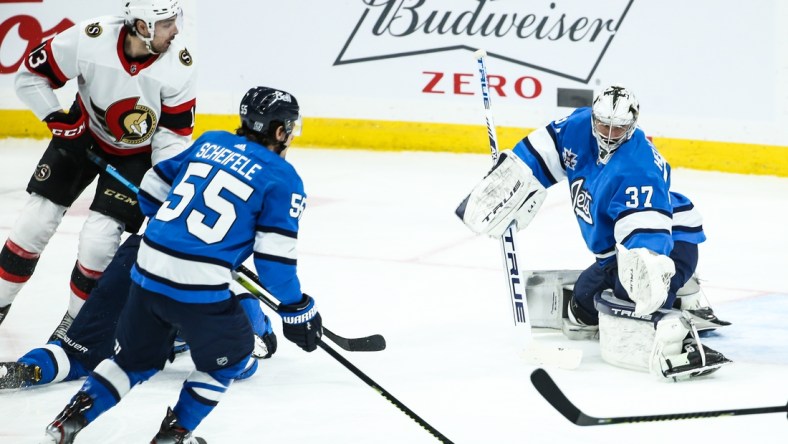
645	231
683	208
179	286
697	229
277	230
272	258
626	213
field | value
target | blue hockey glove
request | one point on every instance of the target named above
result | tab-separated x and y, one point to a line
301	323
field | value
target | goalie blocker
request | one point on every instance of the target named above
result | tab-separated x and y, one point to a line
508	193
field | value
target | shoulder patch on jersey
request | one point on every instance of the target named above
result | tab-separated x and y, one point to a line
185	57
93	30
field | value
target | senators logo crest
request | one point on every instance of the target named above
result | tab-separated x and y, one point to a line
185	57
128	121
93	30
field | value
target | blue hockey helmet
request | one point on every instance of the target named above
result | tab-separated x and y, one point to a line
263	109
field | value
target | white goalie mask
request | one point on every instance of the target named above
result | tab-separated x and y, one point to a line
614	118
150	12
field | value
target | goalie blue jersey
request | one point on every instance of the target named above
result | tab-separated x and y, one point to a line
210	208
626	201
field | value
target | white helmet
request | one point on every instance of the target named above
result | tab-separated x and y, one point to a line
150	12
616	111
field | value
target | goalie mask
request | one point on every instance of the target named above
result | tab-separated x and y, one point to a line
614	116
150	12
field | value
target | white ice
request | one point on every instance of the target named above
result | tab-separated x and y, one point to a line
382	252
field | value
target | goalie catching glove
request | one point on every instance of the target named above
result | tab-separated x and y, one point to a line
645	276
301	323
508	193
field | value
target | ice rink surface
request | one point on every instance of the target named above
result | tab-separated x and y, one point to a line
382	252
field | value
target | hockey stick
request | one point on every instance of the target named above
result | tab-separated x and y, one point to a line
109	169
535	354
355	370
369	343
549	390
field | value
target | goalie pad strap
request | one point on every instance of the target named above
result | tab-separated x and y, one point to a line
508	193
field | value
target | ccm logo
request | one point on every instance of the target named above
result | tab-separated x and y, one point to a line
526	87
69	133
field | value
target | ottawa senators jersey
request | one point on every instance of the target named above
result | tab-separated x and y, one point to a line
133	105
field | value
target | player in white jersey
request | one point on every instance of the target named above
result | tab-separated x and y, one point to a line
135	106
644	235
224	199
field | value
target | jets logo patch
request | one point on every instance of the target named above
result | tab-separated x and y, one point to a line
581	200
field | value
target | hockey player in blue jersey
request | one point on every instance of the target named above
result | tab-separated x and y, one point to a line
644	235
91	337
226	197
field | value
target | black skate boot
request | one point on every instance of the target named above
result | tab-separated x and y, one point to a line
15	375
694	362
61	329
4	312
70	421
171	432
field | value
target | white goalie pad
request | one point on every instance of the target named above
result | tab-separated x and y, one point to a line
547	293
638	343
645	276
508	193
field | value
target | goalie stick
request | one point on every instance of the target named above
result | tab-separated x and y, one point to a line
368	343
534	353
545	385
348	365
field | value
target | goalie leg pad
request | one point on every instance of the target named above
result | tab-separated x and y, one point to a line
508	193
631	341
547	294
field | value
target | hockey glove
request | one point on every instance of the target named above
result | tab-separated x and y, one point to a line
508	193
301	323
69	131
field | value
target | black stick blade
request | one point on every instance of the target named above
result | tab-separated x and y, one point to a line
371	343
546	387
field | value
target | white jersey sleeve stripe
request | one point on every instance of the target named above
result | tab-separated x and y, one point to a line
542	145
181	271
275	244
650	220
689	218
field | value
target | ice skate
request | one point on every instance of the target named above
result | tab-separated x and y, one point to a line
172	433
692	300
61	329
697	360
264	346
70	421
15	375
575	328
